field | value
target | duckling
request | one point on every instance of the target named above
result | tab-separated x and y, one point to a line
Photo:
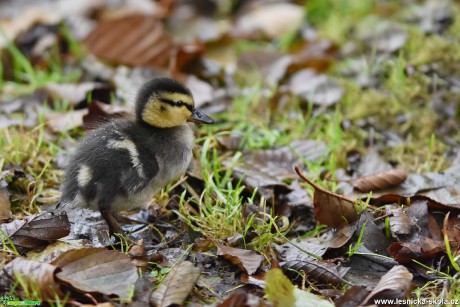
124	163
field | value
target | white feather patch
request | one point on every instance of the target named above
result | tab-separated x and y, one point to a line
84	175
133	153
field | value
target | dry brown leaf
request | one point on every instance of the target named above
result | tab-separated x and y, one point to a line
331	209
405	252
37	230
451	228
139	40
97	270
352	297
177	285
397	281
36	274
135	40
237	299
246	260
400	222
379	181
5	207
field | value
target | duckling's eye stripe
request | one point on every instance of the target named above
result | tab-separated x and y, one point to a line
177	104
133	153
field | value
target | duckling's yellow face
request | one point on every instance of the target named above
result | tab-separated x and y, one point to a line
165	109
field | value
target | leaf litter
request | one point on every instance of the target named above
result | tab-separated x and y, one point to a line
386	209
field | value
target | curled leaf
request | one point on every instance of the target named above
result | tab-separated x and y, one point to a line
331	209
395	283
380	181
246	260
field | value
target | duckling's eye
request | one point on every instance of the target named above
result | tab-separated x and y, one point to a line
179	103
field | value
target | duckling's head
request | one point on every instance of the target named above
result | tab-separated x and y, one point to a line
165	103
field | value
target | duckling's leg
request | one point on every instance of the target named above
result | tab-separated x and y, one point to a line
105	204
114	227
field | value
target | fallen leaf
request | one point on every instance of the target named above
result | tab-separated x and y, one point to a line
304	298
278	289
315	88
303	249
400	222
383	35
5	207
395	284
405	252
135	40
75	93
342	236
139	40
97	270
65	121
380	181
281	292
326	273
177	285
260	20
36	230
37	275
331	209
238	299
246	260
352	297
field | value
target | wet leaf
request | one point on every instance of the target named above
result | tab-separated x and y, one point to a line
395	284
35	274
331	209
379	181
246	260
314	270
303	249
97	270
36	230
177	285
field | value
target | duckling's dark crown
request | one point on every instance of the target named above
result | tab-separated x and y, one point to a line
157	85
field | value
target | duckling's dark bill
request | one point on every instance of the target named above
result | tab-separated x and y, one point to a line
199	117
